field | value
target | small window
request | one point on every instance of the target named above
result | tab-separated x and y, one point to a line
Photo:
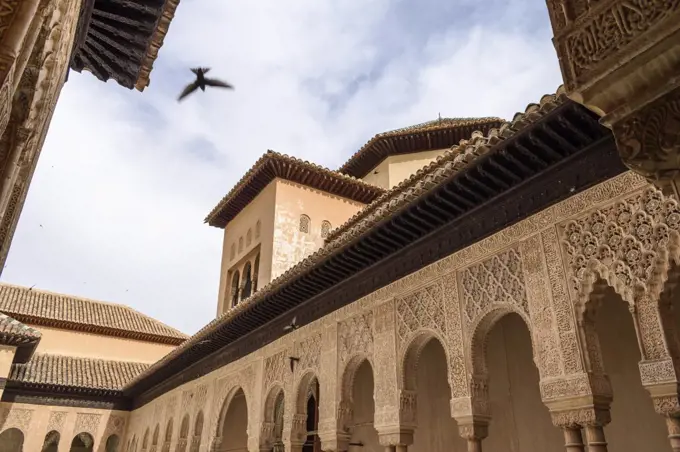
325	228
304	224
258	227
249	237
232	253
240	244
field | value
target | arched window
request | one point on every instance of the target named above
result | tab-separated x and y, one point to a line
247	281
249	237
305	223
112	443
240	244
82	442
51	442
145	441
168	436
256	272
325	228
232	253
183	434
258	228
234	289
154	440
198	431
12	440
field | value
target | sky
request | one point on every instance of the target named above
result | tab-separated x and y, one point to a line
116	207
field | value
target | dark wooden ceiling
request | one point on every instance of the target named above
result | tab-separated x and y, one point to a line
112	38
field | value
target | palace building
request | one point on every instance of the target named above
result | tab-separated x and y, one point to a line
464	284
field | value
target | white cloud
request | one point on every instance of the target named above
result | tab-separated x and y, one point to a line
125	179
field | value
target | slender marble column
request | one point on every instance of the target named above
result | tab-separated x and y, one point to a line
573	439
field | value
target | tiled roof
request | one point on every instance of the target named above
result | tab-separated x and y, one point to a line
273	164
453	162
432	135
39	307
55	371
13	332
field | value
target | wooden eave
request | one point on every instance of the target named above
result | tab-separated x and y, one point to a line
274	165
97	329
120	39
408	142
68	396
552	154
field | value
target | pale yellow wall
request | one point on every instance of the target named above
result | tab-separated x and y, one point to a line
35	421
294	200
635	426
75	343
362	429
394	169
6	356
437	430
261	208
382	177
521	421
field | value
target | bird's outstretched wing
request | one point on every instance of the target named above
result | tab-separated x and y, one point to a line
195	70
190	88
219	83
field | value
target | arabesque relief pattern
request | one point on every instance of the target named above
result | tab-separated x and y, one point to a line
548	269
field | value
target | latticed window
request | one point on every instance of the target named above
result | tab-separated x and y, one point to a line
325	228
249	237
232	253
240	244
304	224
258	228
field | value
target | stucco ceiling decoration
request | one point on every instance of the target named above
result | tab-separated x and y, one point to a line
120	39
472	174
441	133
40	307
272	165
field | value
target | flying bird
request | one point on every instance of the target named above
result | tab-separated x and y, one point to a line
293	360
201	82
293	325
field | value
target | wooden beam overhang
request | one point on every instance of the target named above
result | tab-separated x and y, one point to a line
51	395
273	165
563	153
381	147
118	39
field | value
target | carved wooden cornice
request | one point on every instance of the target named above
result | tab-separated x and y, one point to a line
120	39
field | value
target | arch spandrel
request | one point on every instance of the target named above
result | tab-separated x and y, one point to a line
630	244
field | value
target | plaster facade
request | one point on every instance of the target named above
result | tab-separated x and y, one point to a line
555	326
396	168
59	341
282	225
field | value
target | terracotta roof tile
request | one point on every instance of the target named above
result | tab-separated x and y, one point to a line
273	164
456	158
444	168
14	332
431	135
41	307
75	372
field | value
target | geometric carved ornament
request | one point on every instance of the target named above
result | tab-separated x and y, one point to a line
626	244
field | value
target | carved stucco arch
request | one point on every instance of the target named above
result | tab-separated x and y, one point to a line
224	402
349	374
411	357
480	334
630	244
268	430
302	390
